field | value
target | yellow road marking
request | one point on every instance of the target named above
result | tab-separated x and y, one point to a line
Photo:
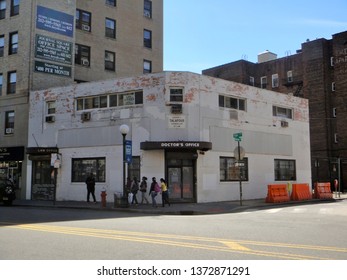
193	242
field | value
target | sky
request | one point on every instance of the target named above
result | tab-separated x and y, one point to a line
200	34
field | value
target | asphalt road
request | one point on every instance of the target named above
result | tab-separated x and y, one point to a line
305	232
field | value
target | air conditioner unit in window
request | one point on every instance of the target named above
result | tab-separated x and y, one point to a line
85	62
176	109
147	14
284	124
85	116
9	131
50	119
85	27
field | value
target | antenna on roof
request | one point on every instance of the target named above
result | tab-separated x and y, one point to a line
288	53
244	57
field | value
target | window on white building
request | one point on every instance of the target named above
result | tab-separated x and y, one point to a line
282	112
83	167
50	107
232	103
230	169
111	100
176	94
285	170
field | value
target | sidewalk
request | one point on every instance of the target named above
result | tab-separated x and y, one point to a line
175	209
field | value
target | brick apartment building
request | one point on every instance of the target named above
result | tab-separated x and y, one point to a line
318	72
47	44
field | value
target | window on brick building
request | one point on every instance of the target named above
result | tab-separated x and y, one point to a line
147	66
275	82
11	82
263	82
147	9
251	81
110	28
290	76
9	122
333	87
82	55
147	38
111	2
2	9
83	20
14	7
110	61
2	45
1	82
13	48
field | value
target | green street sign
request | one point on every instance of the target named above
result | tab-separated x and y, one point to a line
237	136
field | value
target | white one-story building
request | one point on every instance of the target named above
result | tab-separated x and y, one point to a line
184	127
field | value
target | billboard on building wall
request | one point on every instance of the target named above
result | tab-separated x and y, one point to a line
54	21
51	68
53	49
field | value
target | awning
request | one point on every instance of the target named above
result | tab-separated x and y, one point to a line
176	145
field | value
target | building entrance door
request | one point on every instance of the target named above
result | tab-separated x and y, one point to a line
43	187
181	177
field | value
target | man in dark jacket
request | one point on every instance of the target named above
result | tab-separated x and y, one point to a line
91	187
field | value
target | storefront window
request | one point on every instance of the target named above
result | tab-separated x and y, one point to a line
82	167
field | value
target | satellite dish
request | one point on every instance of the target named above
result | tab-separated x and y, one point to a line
242	153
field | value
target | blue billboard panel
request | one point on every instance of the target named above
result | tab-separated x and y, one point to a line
54	21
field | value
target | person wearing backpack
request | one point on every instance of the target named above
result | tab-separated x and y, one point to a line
154	190
143	190
134	190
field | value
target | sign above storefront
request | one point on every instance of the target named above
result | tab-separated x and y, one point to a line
181	145
42	151
11	153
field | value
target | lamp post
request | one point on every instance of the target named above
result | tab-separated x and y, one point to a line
124	129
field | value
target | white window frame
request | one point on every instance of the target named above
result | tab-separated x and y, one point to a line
275	81
263	81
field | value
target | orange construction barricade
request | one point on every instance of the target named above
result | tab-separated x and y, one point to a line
277	193
301	192
322	191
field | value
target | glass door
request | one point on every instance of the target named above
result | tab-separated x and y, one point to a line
180	181
43	185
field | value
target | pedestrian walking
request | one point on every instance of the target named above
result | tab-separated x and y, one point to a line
154	190
143	190
90	181
134	190
164	192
